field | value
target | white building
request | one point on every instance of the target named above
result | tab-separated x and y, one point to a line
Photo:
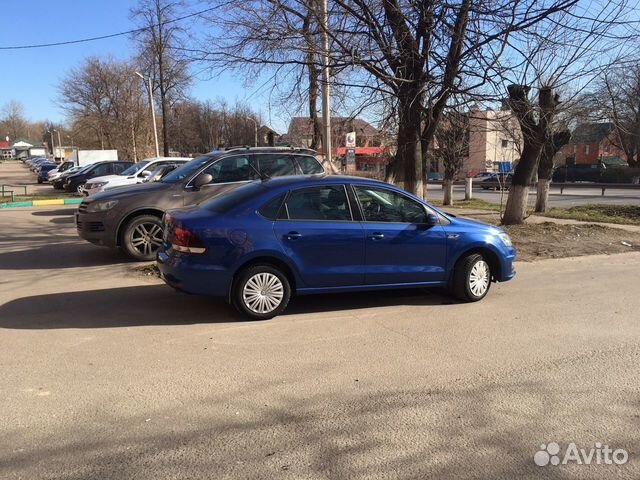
494	137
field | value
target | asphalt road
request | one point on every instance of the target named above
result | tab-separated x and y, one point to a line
108	375
570	197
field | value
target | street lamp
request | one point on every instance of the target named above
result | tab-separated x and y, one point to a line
59	143
255	137
153	109
53	145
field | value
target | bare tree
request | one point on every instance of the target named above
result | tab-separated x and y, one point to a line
563	55
452	146
13	122
106	98
618	99
160	54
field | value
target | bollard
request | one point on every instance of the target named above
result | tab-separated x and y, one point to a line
468	184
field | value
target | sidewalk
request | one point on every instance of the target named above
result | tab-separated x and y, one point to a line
493	217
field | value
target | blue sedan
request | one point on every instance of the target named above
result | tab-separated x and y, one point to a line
266	240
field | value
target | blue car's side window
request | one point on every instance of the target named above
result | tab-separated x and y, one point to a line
386	206
325	203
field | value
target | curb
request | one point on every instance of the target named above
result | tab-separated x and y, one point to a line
41	203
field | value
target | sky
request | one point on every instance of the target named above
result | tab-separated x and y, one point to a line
32	76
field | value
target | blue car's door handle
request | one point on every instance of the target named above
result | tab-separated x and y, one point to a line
293	236
377	236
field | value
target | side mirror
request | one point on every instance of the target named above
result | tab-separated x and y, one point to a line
145	173
202	179
432	219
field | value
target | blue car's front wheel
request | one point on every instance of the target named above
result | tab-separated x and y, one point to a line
471	278
261	292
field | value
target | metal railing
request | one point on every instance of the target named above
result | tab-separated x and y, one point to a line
8	189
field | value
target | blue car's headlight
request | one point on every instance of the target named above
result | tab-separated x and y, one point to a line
506	239
101	206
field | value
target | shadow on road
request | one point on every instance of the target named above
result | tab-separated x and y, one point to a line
114	307
68	211
160	305
70	254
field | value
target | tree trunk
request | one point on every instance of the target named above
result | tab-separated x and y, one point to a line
534	132
313	105
426	164
448	192
542	195
408	170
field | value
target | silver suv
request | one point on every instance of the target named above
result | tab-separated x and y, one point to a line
131	217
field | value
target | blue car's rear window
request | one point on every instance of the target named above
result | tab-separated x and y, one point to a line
237	196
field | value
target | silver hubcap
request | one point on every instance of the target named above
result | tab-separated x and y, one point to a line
263	293
146	238
479	278
79	188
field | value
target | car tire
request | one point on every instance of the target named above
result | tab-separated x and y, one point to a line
80	188
471	278
141	237
248	300
39	182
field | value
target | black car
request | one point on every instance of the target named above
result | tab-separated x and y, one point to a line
43	171
75	182
497	181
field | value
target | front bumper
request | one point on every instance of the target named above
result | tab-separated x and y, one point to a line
180	272
94	227
507	268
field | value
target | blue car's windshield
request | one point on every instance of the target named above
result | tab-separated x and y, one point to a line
136	167
186	170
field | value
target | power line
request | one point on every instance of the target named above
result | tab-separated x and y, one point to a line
103	37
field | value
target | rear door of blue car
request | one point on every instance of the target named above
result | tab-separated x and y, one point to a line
400	246
318	233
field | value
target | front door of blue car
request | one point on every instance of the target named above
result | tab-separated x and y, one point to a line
317	232
400	246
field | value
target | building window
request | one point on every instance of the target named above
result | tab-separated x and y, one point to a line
586	149
505	143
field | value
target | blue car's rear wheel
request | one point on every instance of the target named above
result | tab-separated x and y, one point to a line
261	292
471	278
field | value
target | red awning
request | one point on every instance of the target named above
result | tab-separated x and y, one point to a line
362	150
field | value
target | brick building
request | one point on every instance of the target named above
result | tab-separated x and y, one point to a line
591	143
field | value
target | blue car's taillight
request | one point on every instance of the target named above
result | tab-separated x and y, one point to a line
185	241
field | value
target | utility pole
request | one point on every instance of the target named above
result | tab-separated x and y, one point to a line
326	115
255	136
153	110
53	145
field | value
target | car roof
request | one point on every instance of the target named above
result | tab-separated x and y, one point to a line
318	179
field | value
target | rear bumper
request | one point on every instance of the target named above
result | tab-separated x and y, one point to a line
177	272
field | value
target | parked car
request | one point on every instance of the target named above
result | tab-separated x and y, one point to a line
43	171
58	179
75	182
131	217
159	172
136	173
37	161
497	181
63	167
265	241
435	177
481	175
